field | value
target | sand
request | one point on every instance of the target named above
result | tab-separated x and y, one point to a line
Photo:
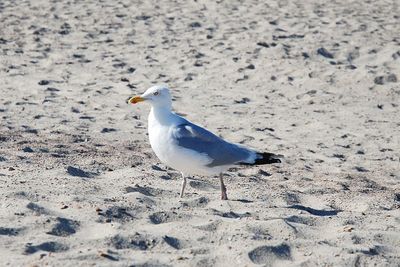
316	81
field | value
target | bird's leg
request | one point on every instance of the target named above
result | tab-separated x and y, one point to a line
224	196
183	185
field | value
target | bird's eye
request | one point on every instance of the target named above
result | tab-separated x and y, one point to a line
155	93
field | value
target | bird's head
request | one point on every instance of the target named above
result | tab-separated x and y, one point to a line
157	95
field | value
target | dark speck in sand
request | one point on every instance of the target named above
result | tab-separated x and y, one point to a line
44	82
325	53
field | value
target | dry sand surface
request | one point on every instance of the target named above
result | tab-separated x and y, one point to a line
317	81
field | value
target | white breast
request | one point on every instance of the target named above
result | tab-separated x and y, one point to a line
184	160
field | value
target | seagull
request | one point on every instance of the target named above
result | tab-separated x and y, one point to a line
189	148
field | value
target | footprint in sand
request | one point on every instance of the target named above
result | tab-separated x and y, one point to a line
260	233
231	214
200	202
37	210
10	231
137	242
73	171
64	227
268	254
205	262
145	190
173	242
166	217
46	246
115	214
210	227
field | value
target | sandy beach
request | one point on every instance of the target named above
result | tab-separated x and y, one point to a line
315	81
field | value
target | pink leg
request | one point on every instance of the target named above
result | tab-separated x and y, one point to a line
224	196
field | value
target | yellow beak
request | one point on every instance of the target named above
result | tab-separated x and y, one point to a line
135	99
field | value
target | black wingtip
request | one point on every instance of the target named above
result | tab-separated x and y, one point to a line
264	158
267	158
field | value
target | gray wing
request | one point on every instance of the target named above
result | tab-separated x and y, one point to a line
193	137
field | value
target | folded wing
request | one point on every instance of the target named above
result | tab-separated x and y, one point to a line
193	137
